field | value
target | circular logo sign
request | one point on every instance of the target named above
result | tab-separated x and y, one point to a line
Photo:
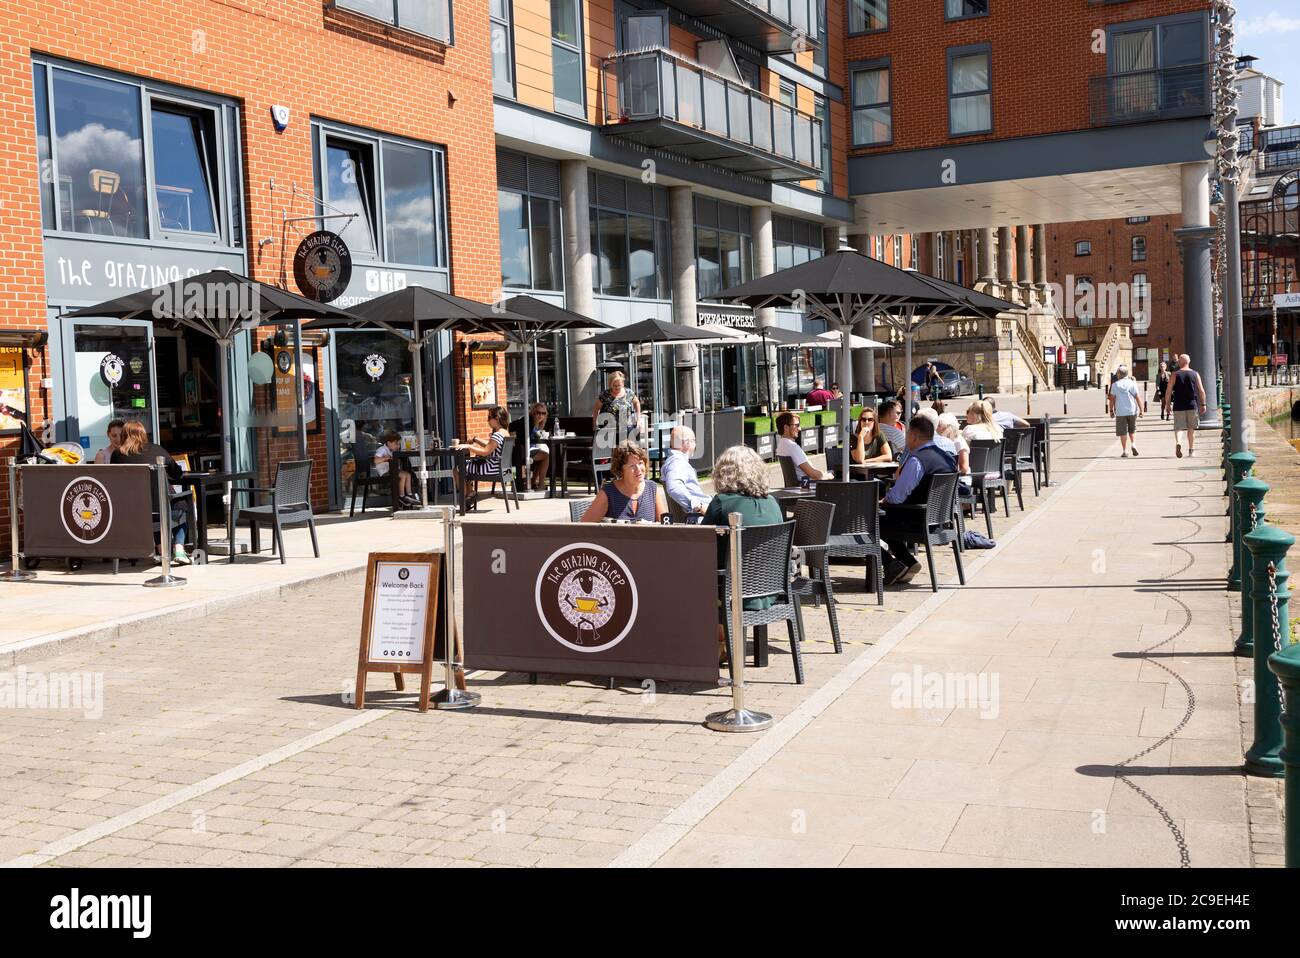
86	510
284	360
586	597
111	368
322	266
137	364
374	365
403	573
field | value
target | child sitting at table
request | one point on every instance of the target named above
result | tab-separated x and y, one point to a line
383	462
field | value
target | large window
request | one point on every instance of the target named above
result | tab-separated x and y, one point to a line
822	108
962	9
503	47
393	188
873	120
567	71
629	235
429	17
866	16
970	100
1140	303
121	158
1138	249
724	250
795	241
528	213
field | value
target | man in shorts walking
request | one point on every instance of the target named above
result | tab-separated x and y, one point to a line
1126	404
1185	394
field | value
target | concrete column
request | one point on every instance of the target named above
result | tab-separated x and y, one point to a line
832	237
1196	238
681	216
1024	272
575	217
1004	259
760	226
864	360
1040	257
987	272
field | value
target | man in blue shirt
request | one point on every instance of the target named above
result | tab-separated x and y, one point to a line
681	483
912	486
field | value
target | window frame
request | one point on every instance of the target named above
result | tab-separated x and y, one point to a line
325	130
822	110
1083	243
744	244
661	232
507	87
964	16
1134	243
396	24
849	31
865	66
954	53
562	106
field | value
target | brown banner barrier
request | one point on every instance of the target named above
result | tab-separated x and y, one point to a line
90	512
610	600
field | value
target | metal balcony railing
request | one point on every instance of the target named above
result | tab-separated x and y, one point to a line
1167	93
773	26
800	14
661	100
1279	159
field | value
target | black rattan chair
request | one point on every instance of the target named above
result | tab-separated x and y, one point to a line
676	514
855	527
765	571
290	505
505	475
812	529
1018	458
578	508
363	476
987	478
931	524
789	474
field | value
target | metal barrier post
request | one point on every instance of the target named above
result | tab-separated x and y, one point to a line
737	718
16	572
1250	514
1269	546
450	697
1240	465
1285	664
166	580
1227	443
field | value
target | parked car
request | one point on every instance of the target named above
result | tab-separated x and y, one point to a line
955	384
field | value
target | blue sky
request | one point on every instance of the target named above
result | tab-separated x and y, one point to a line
1270	30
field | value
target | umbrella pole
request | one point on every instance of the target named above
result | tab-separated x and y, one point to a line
907	369
846	378
414	346
528	421
301	381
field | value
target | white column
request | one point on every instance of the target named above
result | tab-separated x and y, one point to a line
760	227
681	213
576	220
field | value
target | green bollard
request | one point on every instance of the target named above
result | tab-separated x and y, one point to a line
1285	664
1268	547
1250	514
1226	443
1241	464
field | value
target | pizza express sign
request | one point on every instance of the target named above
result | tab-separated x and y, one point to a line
322	266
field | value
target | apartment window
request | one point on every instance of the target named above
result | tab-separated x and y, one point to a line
567	71
1135	220
964	9
395	188
873	115
1164	60
1138	248
1141	303
503	47
432	18
795	241
124	159
1083	248
643	30
823	111
867	16
970	100
724	250
528	214
629	235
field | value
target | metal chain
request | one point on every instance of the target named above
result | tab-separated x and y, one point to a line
1277	630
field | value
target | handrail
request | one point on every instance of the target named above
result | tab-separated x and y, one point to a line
800	14
657	84
1164	93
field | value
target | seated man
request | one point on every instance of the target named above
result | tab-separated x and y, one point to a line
787	428
680	481
910	488
1007	420
890	410
820	395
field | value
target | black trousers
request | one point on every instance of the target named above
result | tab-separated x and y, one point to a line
895	527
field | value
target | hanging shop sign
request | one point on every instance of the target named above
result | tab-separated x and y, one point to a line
1286	300
286	378
592	600
322	266
399	618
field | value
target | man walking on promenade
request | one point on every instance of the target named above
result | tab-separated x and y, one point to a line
1186	396
1126	404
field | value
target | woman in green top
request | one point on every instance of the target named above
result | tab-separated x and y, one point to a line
740	485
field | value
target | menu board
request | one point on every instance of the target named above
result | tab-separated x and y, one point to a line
398	619
13	388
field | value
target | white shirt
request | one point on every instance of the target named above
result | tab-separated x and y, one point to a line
681	482
381	461
790	447
1125	392
1006	420
979	430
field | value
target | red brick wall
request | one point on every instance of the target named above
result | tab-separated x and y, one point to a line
318	62
1042	56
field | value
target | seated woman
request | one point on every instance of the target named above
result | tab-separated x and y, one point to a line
980	423
740	485
868	443
539	454
105	455
630	495
134	448
484	460
948	428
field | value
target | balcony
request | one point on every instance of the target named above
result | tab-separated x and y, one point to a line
1144	95
773	26
660	100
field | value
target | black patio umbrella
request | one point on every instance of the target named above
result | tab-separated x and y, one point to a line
415	315
842	288
220	304
656	332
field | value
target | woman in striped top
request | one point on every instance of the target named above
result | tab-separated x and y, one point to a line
484	460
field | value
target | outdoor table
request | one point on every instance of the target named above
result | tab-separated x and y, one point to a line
435	458
204	483
561	445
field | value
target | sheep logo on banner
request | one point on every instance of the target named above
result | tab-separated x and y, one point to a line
586	598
